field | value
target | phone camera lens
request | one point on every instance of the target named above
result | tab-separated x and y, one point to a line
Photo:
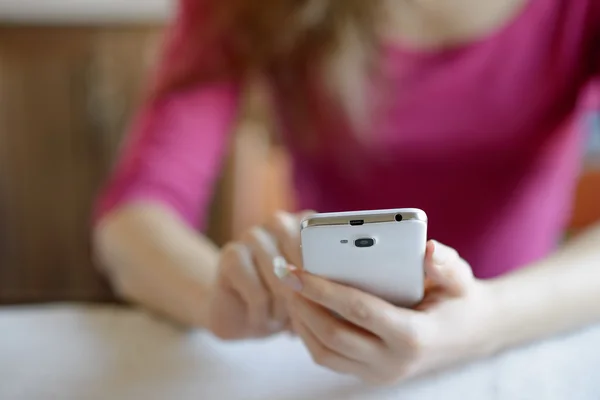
399	218
364	243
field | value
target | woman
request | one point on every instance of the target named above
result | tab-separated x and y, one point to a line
466	109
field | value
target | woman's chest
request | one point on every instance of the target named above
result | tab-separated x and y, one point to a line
506	92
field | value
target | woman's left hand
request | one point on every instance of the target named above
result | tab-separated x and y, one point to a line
384	344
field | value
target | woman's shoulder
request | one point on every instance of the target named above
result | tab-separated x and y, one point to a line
578	15
574	14
569	30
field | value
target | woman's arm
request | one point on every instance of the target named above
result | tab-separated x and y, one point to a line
562	292
558	294
145	236
154	259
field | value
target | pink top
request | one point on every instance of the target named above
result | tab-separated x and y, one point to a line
483	137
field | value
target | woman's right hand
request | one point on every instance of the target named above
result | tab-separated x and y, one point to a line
248	300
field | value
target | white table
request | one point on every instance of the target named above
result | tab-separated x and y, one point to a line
85	11
74	352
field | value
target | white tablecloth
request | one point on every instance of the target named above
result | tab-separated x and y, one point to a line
74	352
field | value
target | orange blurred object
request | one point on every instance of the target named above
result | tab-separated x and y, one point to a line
587	203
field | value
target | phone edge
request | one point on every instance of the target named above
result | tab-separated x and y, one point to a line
369	217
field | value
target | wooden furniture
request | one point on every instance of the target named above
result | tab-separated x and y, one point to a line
66	96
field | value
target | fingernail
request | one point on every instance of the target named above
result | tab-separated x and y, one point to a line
440	253
286	274
289	221
280	267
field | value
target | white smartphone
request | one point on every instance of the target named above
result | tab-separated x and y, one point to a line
380	252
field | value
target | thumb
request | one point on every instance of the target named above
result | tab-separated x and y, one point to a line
446	269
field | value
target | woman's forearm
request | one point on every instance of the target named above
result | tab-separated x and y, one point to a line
554	296
155	260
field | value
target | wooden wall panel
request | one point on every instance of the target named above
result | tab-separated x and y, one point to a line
65	98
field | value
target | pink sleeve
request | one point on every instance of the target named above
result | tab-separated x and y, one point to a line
174	151
596	34
595	85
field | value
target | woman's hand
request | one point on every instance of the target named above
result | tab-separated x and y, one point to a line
248	300
381	343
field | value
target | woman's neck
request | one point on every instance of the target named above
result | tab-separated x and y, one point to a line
443	23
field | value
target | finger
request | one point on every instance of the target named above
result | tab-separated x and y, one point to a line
445	269
325	357
228	302
264	251
285	229
361	309
337	335
243	278
289	328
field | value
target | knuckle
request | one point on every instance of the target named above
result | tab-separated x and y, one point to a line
229	250
452	256
404	373
384	380
262	242
276	222
259	300
318	292
415	338
335	337
358	310
386	319
122	286
390	376
322	357
280	311
414	346
222	334
285	221
286	229
295	302
446	255
232	252
251	236
233	258
281	301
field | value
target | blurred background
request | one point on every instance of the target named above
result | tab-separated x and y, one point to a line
71	75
